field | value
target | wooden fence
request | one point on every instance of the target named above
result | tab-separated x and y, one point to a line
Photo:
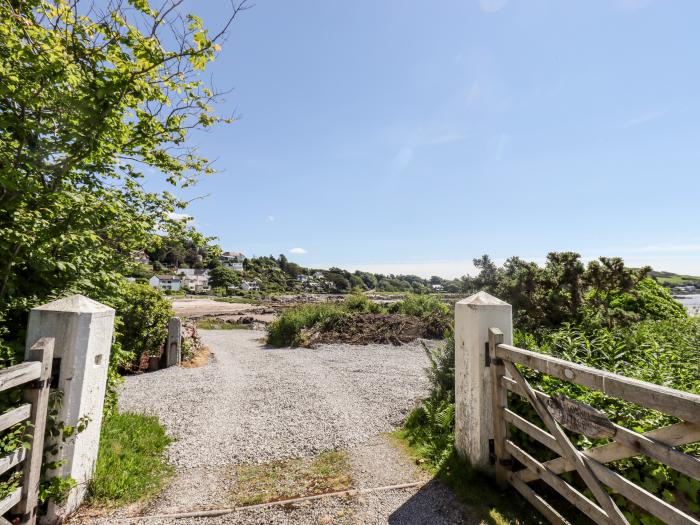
35	377
559	413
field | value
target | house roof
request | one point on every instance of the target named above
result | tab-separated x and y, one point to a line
232	254
168	277
192	271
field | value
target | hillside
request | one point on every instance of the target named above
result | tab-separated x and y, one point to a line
673	280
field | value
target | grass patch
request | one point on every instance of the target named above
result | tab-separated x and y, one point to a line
242	300
286	329
131	463
218	324
279	480
490	503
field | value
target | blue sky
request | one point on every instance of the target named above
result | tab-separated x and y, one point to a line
408	137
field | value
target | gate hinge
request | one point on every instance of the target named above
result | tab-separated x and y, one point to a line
492	452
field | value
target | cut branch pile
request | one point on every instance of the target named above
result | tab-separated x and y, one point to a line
363	329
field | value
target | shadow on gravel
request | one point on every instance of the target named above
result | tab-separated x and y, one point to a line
433	504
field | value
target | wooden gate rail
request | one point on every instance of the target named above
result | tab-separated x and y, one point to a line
559	413
35	375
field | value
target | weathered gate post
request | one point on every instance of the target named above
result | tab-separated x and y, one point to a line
173	350
83	331
473	390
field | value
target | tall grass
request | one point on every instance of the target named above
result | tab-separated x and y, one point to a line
421	306
286	329
131	463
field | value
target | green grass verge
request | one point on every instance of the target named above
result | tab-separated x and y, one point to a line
491	504
242	300
293	478
131	463
218	324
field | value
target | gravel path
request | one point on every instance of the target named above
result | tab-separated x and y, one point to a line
254	404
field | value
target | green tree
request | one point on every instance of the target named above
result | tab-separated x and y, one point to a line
90	101
564	272
607	279
488	273
221	277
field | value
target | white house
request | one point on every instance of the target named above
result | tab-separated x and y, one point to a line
166	282
195	280
232	260
302	278
140	257
250	285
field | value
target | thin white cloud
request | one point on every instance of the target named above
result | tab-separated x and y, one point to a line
671	248
631	6
643	119
403	158
474	93
270	218
492	6
297	251
446	138
449	269
502	142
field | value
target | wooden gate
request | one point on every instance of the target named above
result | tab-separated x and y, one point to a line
559	413
35	377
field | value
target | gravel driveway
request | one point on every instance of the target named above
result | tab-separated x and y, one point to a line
253	404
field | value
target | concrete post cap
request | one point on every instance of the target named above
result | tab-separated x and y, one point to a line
75	303
483	299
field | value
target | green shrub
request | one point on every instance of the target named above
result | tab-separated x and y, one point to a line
140	328
143	314
360	303
286	329
441	372
650	300
430	429
131	463
421	306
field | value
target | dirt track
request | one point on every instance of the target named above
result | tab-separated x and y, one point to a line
204	307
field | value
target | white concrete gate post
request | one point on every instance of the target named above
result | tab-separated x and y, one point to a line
83	330
473	410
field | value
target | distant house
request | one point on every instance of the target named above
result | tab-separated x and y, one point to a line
140	257
250	285
319	274
232	260
195	280
436	287
302	278
170	283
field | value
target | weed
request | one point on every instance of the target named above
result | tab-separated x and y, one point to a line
278	480
492	505
286	329
131	463
218	324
